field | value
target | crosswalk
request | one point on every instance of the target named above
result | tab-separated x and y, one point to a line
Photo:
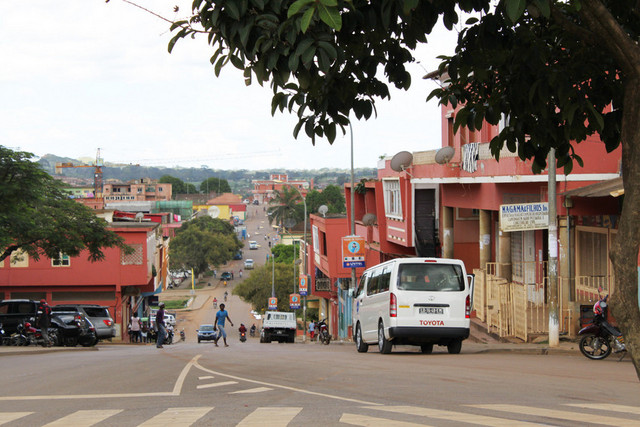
496	415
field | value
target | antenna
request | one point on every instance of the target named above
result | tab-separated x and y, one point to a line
444	155
322	210
401	161
369	219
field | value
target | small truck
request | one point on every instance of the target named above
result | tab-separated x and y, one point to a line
278	326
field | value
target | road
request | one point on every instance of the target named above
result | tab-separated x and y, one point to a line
305	384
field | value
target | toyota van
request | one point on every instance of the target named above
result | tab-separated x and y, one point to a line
413	301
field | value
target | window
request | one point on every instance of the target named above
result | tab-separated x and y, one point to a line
431	277
392	200
372	286
62	261
134	258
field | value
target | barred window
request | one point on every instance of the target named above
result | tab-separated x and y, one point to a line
134	258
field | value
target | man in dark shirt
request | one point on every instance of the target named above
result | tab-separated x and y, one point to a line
44	319
162	332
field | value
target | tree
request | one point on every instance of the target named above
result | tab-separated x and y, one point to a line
284	253
334	199
203	242
215	184
37	216
283	206
256	289
554	67
178	186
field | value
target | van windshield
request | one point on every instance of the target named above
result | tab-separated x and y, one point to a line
430	277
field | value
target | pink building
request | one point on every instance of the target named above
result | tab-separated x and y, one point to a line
263	189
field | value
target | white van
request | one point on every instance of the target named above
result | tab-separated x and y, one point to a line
413	301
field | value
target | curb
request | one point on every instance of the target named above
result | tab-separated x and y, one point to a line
24	352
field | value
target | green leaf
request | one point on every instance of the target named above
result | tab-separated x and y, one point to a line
232	9
297	6
306	19
237	62
409	5
515	9
331	16
330	131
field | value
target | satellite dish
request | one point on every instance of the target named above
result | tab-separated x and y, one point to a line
444	155
369	219
139	217
214	212
323	209
401	161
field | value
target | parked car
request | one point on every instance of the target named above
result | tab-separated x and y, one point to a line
206	333
226	276
253	244
256	202
98	315
248	264
238	255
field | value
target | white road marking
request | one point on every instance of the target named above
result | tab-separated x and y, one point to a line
201	386
252	390
206	377
7	417
563	415
83	418
607	407
177	388
273	417
363	420
177	417
284	387
454	416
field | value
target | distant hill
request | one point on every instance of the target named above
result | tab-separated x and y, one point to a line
239	180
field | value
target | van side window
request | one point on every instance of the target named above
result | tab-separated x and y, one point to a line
360	291
372	286
384	279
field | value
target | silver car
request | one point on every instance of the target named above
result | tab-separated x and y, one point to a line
98	315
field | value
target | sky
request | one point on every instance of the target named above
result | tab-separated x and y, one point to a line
78	75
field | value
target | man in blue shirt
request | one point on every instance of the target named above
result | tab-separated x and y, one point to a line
221	316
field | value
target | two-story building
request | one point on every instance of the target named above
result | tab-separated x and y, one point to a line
264	189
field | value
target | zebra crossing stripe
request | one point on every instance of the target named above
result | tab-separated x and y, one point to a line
607	407
220	384
177	417
454	416
273	417
84	418
563	415
7	417
363	420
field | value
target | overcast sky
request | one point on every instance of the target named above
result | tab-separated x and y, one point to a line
78	75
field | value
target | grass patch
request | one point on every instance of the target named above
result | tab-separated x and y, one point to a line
175	304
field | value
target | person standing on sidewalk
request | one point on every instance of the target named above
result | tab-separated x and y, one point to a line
44	320
221	316
162	332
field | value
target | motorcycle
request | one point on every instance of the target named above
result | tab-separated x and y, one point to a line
169	339
182	335
2	335
323	332
600	338
252	331
243	336
26	335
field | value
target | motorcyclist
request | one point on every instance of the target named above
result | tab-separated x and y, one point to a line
226	294
252	331
215	302
242	328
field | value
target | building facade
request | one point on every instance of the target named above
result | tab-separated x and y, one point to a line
263	190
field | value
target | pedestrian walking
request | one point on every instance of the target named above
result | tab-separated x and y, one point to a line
312	329
215	273
162	331
44	320
221	316
232	275
241	273
134	322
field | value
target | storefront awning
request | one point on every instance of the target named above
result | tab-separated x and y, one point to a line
609	188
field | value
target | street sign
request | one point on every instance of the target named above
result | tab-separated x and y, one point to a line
524	216
353	252
302	286
273	303
294	301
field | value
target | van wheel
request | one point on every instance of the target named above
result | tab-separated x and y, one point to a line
361	346
384	345
426	348
454	346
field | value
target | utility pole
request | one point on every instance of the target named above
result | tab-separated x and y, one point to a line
554	323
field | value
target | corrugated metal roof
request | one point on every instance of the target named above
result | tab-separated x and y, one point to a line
609	188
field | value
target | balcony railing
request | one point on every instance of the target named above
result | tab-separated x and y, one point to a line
323	285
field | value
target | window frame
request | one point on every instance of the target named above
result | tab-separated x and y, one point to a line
392	198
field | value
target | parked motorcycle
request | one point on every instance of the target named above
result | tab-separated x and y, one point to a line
169	339
323	332
2	341
600	338
182	335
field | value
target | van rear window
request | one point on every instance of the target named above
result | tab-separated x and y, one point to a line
430	277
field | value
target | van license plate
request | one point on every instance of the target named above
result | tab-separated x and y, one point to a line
431	310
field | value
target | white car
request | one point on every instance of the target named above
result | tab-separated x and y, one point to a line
253	244
248	264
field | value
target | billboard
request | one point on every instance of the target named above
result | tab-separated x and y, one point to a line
353	252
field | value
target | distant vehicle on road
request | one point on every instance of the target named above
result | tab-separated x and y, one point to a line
253	244
256	202
206	333
238	255
248	264
226	276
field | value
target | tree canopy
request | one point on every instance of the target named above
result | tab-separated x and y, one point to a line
331	197
256	289
558	70
282	208
37	216
178	186
201	243
218	185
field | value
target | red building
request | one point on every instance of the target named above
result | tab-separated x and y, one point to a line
120	281
263	189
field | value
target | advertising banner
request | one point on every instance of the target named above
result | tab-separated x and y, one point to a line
273	303
294	301
303	288
353	251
